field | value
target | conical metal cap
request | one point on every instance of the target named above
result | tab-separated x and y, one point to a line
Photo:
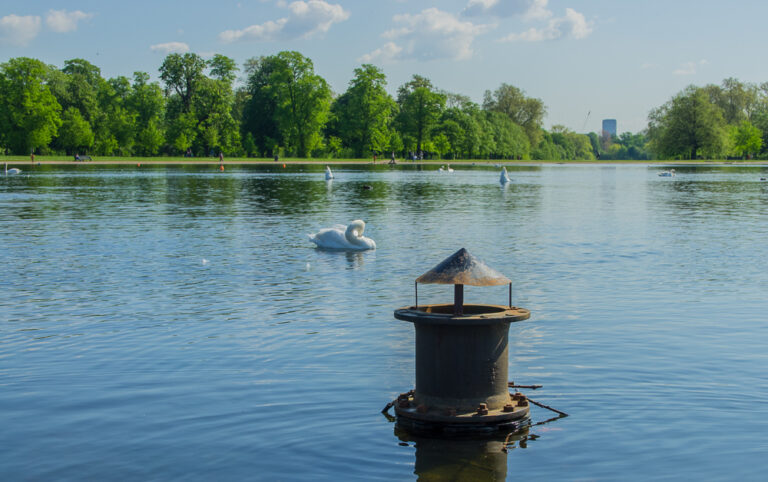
461	268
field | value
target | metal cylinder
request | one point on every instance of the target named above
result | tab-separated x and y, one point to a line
461	364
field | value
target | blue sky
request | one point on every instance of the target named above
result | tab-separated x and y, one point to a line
612	59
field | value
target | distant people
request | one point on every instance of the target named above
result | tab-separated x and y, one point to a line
221	157
277	158
77	157
374	158
31	156
393	157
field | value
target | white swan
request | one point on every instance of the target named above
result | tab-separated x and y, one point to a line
450	169
504	178
441	169
13	170
343	237
328	173
669	173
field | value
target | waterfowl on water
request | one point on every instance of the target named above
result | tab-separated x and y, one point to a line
343	237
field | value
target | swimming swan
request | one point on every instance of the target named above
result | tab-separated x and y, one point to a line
450	169
13	170
343	237
504	178
328	173
669	173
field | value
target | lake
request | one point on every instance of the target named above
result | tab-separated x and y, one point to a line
165	323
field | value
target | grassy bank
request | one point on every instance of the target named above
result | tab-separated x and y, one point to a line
106	160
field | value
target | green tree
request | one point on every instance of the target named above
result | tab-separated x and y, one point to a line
260	107
363	114
149	139
746	139
75	133
525	111
147	104
303	102
30	116
688	126
420	108
182	75
737	100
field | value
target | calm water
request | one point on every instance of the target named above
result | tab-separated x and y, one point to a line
175	323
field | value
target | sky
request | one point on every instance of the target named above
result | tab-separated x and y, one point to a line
586	60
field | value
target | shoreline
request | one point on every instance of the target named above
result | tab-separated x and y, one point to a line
158	161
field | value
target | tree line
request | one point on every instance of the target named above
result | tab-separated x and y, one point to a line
282	107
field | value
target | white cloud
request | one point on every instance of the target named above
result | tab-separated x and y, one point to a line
573	24
528	9
18	30
170	48
62	21
579	27
429	35
389	52
689	68
305	19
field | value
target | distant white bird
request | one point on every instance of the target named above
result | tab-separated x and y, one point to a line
328	173
450	169
12	170
670	173
504	178
441	169
343	237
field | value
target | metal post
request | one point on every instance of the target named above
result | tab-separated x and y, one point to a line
416	290
458	300
510	295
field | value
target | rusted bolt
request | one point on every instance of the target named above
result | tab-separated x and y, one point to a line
509	407
522	403
422	408
482	409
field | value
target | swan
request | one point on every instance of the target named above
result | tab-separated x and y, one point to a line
343	237
328	173
13	170
669	173
441	169
450	169
504	178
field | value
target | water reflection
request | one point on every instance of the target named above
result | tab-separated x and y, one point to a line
476	459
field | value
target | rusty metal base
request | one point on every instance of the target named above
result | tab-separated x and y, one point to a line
418	418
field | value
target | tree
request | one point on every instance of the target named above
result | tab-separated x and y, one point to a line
525	111
420	108
75	134
688	126
29	113
259	109
737	100
363	114
746	139
182	75
302	101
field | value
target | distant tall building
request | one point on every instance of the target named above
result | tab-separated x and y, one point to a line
609	126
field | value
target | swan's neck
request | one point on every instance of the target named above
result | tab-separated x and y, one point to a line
354	232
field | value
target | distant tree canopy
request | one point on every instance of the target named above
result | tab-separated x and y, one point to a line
711	122
282	106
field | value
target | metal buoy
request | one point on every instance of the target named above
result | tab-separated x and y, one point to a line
462	356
